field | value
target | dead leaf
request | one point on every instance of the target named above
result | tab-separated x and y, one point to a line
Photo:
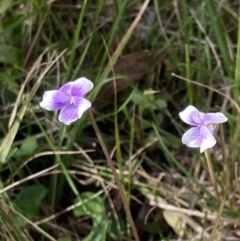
134	66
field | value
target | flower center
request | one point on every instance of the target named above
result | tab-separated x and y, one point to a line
72	101
197	118
211	127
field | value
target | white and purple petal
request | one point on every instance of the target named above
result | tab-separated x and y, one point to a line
66	88
199	136
192	116
214	118
54	100
68	114
82	105
73	110
81	86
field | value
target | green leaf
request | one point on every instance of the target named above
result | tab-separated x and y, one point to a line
94	206
28	147
174	220
96	209
65	238
160	103
231	214
99	230
138	98
27	202
4	6
153	228
29	199
148	101
114	232
8	54
7	82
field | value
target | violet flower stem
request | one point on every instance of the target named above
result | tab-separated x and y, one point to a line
225	185
117	180
212	175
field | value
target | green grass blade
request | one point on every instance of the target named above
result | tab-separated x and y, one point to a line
75	39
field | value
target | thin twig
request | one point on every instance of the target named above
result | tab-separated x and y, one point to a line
70	208
27	178
210	88
33	225
110	163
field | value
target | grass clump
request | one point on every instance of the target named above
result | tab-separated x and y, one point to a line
148	61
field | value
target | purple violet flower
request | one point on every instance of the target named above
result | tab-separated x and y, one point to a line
70	99
202	134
